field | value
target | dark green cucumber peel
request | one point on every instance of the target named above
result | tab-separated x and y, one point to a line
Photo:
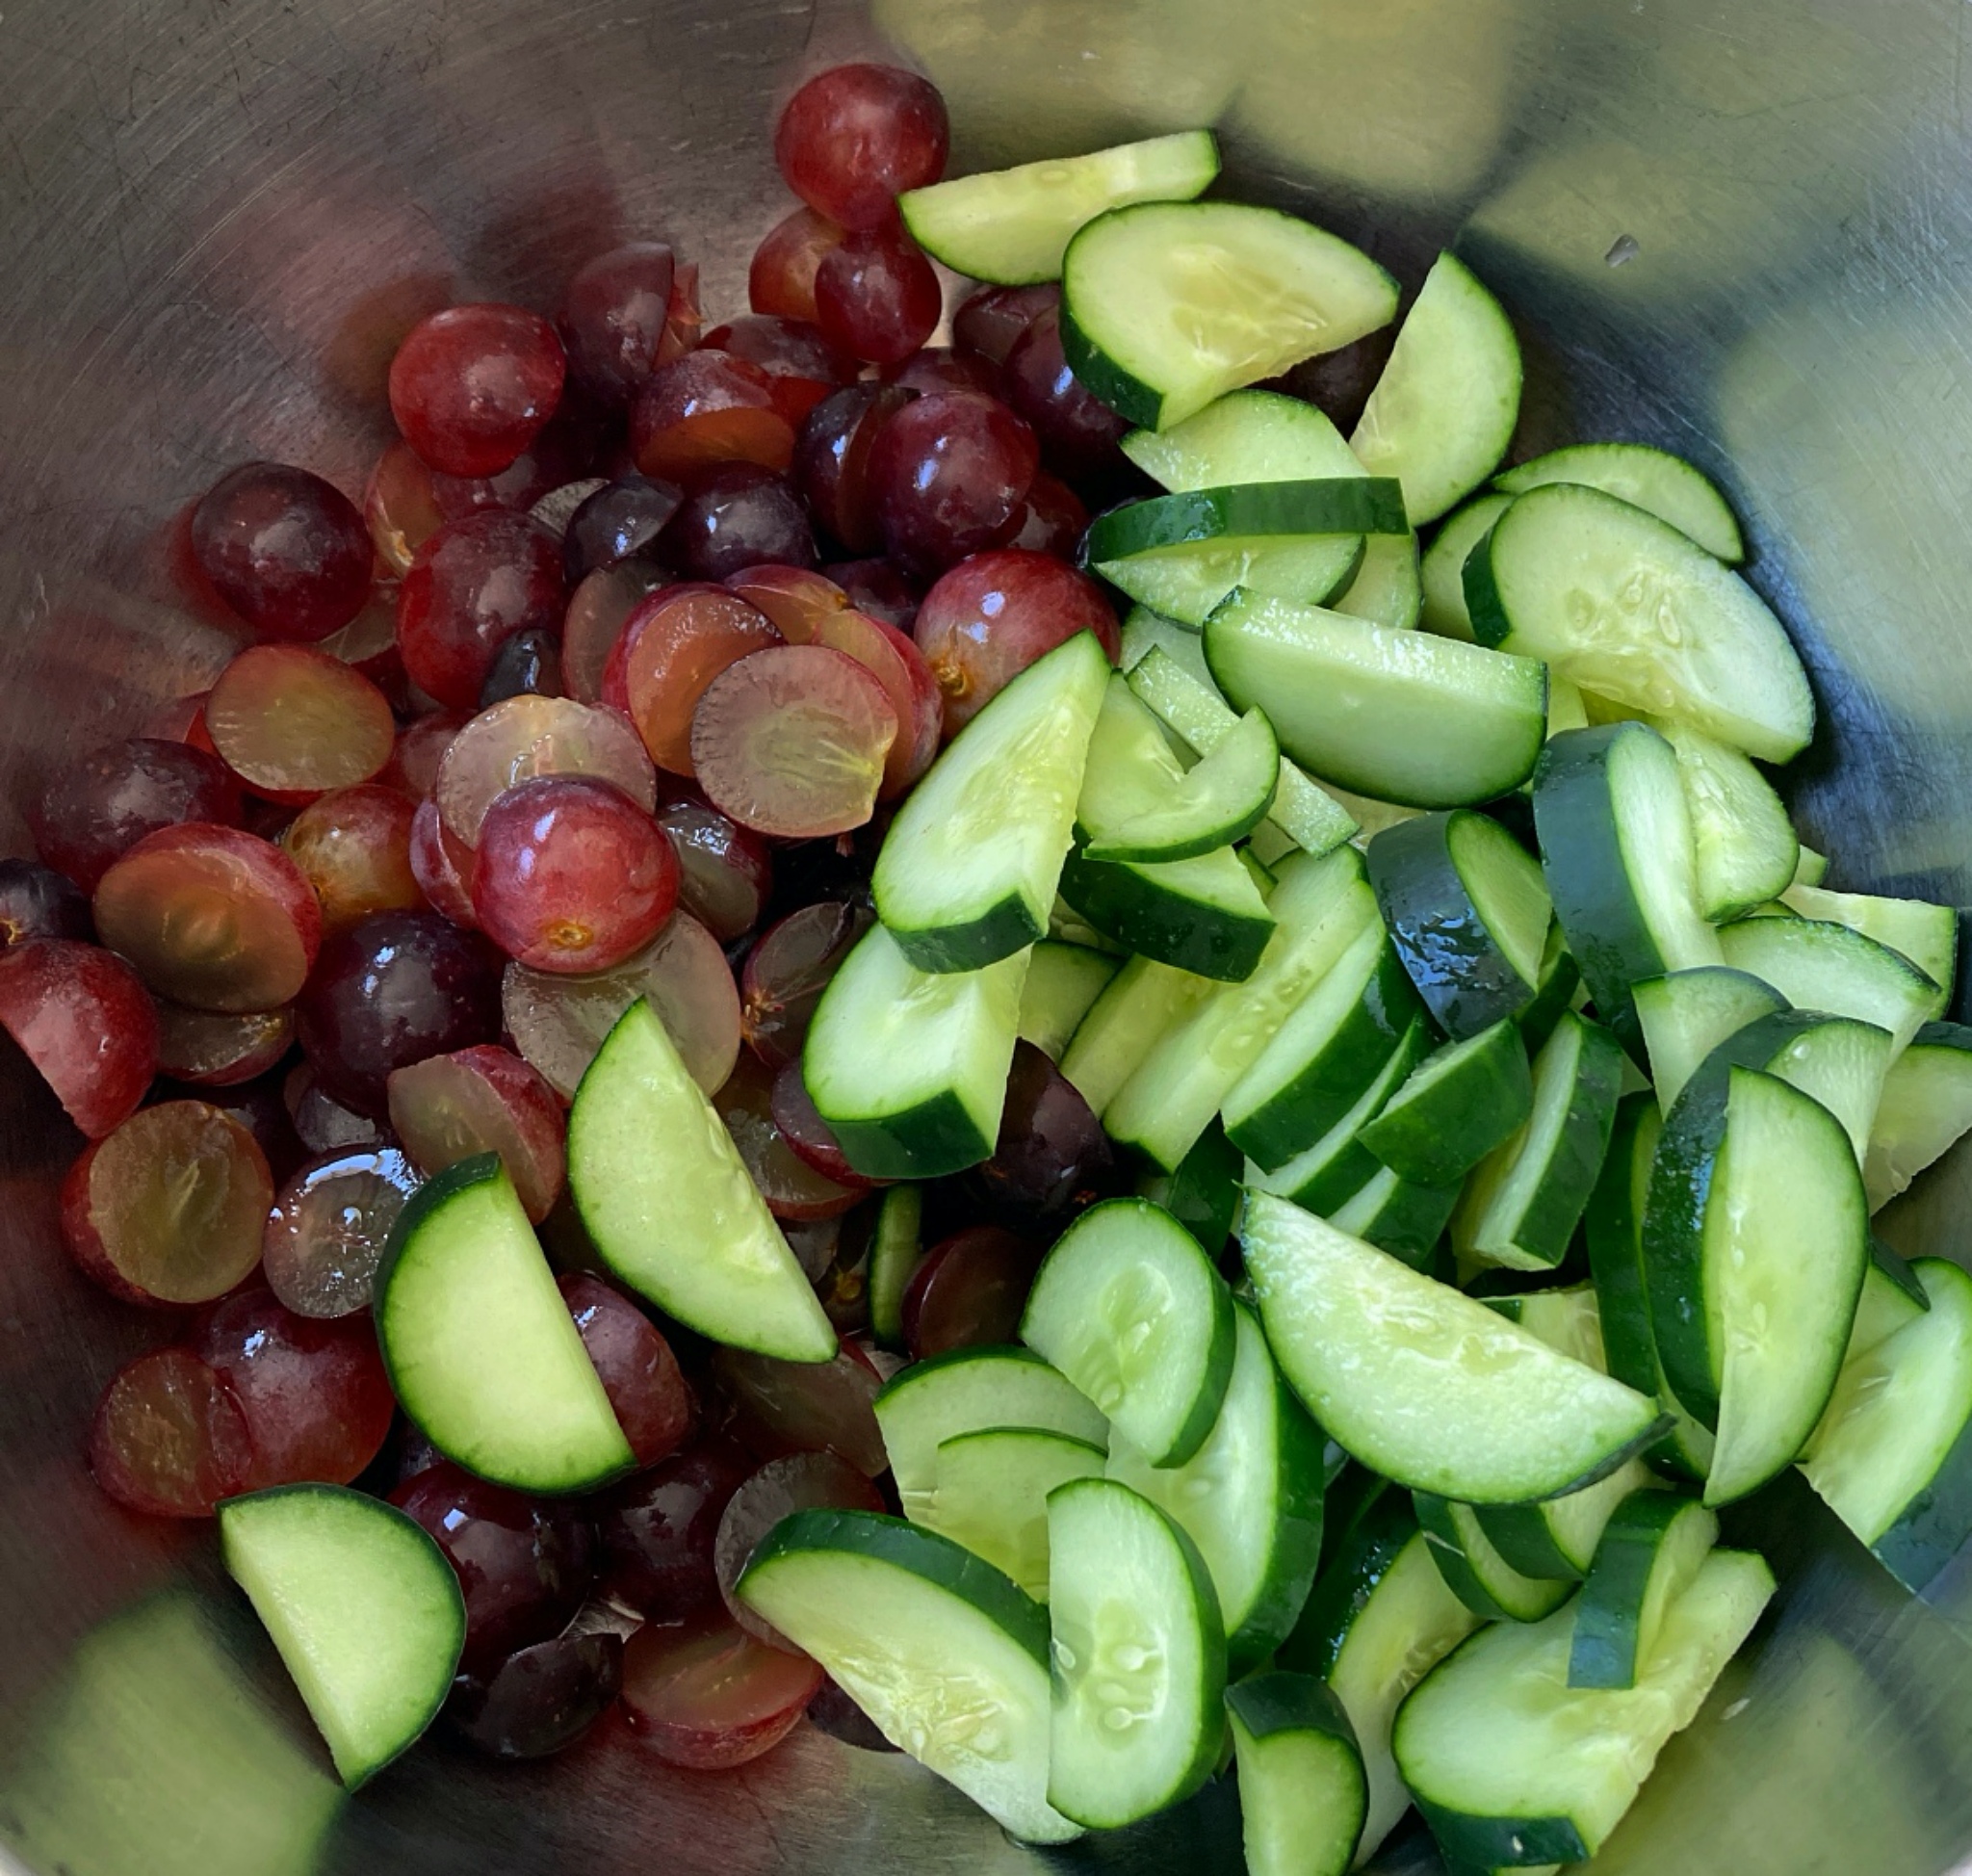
1560	978
1339	504
1455	1119
1492	1843
936	1137
1203	1193
1612	1223
1410	1222
1467	1580
1607	1632
1366	1545
1897	1267
1284	1701
1123	901
1674	1240
1122	390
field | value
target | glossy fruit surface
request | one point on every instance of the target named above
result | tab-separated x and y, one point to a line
528	665
169	1438
442	865
782	1407
832	460
705	408
96	809
658	1530
615	315
471	385
36	901
647	1389
799	1481
877	297
969	1291
708	1696
741	514
1054	520
801	362
791	1186
949	473
83	1018
540	1700
1051	1157
212	1049
598	611
670	650
525	739
788	969
991	320
285	550
471	587
806	1135
325	1236
855	137
725	871
620	520
353	847
780	280
485	1098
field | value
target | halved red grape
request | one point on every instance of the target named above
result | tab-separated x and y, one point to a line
1076	428
994	614
483	1100
408	501
215	1051
524	1564
212	916
391	991
806	1135
800	1481
540	1700
321	1123
788	969
614	317
168	1209
259	1107
949	473
528	665
285	550
353	847
704	409
876	296
97	809
528	738
793	741
854	137
598	611
725	873
469	386
880	588
326	1232
85	1021
369	643
442	864
1051	1157
621	519
169	1438
472	586
671	649
421	747
316	1397
738	515
292	722
898	665
796	598
805	1406
780	281
658	1530
647	1389
941	368
832	460
708	1696
804	367
559	1023
36	901
991	320
792	1187
969	1291
1054	519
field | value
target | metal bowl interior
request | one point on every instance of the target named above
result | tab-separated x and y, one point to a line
1746	235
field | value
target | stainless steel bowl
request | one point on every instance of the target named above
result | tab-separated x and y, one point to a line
1742	232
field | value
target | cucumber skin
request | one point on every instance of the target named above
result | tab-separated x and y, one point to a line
1502	1843
1284	1701
1151	924
1123	391
1349	1578
1933	1528
1607	1630
936	1137
1448	1553
997	932
1422	1151
1612	1228
1674	1240
1350	505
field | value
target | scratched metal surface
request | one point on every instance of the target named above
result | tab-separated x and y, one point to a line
1739	230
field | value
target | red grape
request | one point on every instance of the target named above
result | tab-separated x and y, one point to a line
83	1020
796	598
781	280
36	901
317	1400
880	590
734	517
804	367
97	810
368	643
559	1023
704	409
708	1696
969	1291
614	317
621	519
949	473
168	1209
792	1187
391	991
940	368
320	1122
671	649
528	665
853	139
898	665
353	847
474	584
647	1391
598	609
1051	1157
212	916
421	747
806	1135
1054	520
800	1481
793	741
261	1108
994	614
326	1234
483	1100
658	1530
214	1051
524	1564
805	1406
725	873
408	501
525	739
168	1437
292	722
469	386
285	550
1079	430
877	297
556	509
540	1700
788	969
832	460
442	864
1339	384
991	320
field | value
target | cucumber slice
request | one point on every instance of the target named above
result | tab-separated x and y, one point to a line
1139	1657
1166	306
1321	906
1325	1055
1470	913
1146	630
1510	1765
1250	1498
1142	1002
1638	614
1304	813
970	1391
1556	1538
1523	1202
1654	480
1303	1792
1424	1384
1461	1102
364	1608
1829	967
1398	1216
1013	226
1400	716
1927	934
1686	1014
1893	1296
1206	916
942	1652
1557	988
1652	1551
909	1067
969	868
1473	1568
1227	518
1444	408
1926	1106
991	1496
895	1249
671	1207
1389	586
1568	709
1746	847
1893	1459
1616	847
1203	1195
1128	1307
1814	868
1062	984
1755	1239
1442	571
1338	1166
1834	1059
482	1353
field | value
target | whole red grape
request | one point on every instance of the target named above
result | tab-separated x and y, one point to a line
471	385
852	139
284	549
